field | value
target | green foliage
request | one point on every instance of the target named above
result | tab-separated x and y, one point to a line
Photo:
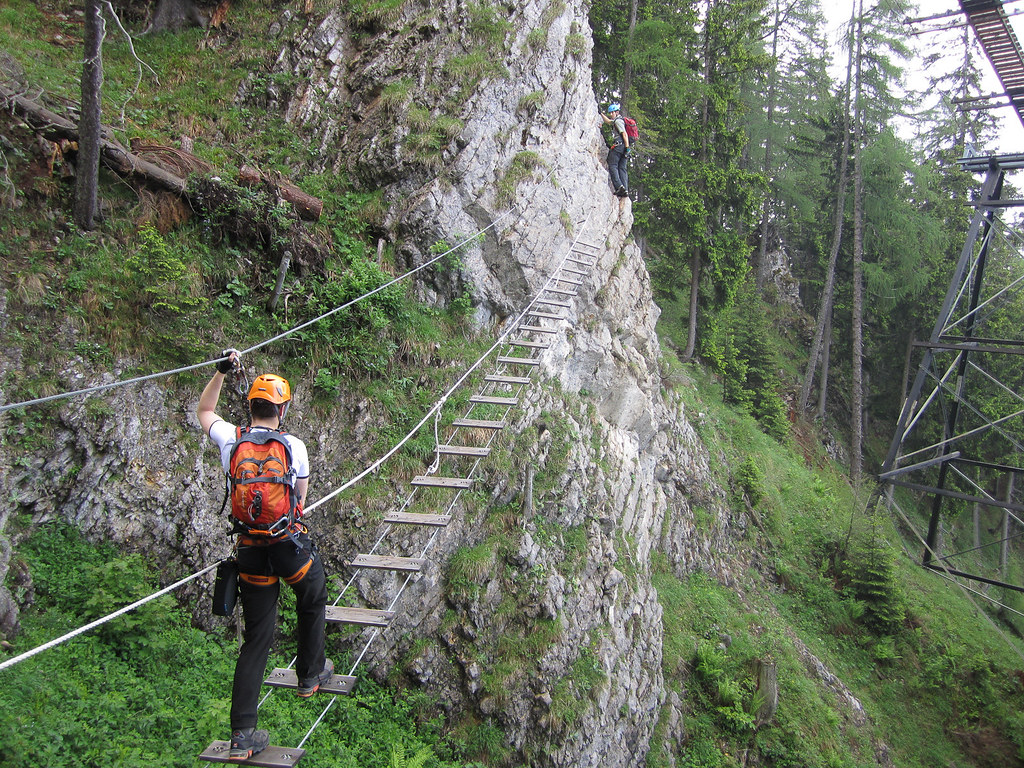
395	95
750	478
163	278
531	102
467	567
127	694
870	567
377	13
575	44
749	363
488	26
572	695
519	170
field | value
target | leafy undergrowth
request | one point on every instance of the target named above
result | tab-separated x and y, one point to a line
149	689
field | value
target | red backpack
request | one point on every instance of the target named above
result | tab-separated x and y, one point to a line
261	481
631	130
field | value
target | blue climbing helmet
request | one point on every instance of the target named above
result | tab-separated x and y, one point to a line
613	107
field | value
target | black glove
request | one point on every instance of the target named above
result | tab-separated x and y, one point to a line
227	365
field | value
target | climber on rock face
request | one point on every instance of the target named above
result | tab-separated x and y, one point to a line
619	150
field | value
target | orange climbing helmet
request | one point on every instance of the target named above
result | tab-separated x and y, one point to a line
269	386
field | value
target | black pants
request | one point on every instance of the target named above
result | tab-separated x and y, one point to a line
617	166
266	565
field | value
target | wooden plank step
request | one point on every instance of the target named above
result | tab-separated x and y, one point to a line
496	379
537	329
491	400
271	757
554	302
388	563
432	481
479	424
367	617
464	450
529	344
561	292
417	518
518	361
289	678
546	315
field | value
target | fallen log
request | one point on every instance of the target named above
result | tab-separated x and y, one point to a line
52	126
205	192
308	207
126	163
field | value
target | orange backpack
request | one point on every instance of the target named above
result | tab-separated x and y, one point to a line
261	481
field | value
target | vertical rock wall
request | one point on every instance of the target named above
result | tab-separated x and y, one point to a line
623	463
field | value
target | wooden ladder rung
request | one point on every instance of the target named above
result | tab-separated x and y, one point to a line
464	450
367	617
289	678
560	292
554	303
496	379
432	481
491	400
271	757
417	518
529	344
388	563
479	424
546	315
537	329
518	361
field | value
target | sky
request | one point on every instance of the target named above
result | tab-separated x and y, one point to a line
1011	131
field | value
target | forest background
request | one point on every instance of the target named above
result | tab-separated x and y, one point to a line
750	145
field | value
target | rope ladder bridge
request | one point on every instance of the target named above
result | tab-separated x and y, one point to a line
528	335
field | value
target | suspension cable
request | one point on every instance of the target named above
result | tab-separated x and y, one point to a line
92	625
376	465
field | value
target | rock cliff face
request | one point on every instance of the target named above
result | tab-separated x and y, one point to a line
468	120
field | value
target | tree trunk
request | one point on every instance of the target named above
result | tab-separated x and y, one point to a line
87	166
761	268
627	73
826	353
825	307
768	687
698	256
857	321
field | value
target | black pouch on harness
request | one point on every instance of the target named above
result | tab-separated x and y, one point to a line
225	588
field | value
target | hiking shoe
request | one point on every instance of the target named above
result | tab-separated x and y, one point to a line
620	191
309	687
246	742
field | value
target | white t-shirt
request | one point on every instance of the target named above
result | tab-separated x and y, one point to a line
223	434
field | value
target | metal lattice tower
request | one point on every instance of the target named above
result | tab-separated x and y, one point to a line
960	432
